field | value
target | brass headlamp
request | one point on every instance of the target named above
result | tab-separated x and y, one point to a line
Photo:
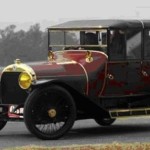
25	80
27	75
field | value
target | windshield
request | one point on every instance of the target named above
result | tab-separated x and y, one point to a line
89	40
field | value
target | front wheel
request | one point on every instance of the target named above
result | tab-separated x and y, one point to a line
2	124
50	112
104	121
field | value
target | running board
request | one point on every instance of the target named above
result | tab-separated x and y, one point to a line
121	113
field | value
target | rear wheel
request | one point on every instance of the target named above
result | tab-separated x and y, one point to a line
104	121
49	113
2	124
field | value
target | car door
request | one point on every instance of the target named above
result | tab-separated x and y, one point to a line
124	67
116	78
117	64
134	59
134	84
123	78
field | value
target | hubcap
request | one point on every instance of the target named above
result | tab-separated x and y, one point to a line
52	113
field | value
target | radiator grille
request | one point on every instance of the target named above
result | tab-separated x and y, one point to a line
11	91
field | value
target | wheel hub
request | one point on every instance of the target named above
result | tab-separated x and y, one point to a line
52	113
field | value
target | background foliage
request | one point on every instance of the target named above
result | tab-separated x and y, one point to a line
28	45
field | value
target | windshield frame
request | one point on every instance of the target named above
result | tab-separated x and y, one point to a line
64	45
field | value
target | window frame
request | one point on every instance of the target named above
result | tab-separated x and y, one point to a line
78	30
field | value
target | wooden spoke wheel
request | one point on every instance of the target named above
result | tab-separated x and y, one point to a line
50	112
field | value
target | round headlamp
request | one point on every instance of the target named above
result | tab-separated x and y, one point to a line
25	80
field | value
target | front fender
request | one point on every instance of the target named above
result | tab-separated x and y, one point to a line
82	101
43	83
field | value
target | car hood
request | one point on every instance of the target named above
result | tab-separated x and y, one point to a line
67	63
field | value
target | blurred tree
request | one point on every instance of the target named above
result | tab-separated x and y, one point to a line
28	45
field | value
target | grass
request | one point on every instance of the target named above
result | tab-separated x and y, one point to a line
113	146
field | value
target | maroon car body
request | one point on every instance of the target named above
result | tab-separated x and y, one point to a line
73	65
96	69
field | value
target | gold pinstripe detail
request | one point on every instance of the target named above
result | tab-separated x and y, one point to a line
104	83
87	79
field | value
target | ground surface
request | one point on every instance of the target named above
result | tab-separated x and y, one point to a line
83	132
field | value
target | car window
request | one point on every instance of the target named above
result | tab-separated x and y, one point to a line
133	39
78	39
125	44
72	38
57	39
117	44
147	43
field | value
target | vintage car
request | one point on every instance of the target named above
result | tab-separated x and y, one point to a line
96	69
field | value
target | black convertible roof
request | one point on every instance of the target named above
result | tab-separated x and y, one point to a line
98	24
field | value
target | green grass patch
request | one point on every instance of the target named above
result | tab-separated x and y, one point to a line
113	146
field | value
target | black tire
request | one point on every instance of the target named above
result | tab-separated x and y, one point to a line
105	121
2	124
37	108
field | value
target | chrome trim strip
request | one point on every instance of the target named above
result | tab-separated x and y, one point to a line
141	23
143	111
82	51
54	45
135	116
125	110
66	62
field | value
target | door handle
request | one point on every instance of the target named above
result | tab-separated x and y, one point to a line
144	73
110	76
